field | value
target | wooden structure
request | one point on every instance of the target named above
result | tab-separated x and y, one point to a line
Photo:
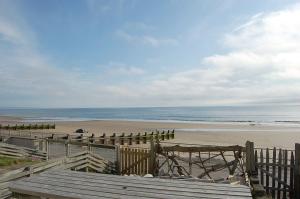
276	170
20	152
27	127
71	185
135	161
113	139
200	161
86	161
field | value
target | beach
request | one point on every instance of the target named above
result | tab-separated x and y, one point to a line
204	133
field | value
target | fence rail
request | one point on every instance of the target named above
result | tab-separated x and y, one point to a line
15	151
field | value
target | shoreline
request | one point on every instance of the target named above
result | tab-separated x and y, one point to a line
204	133
20	119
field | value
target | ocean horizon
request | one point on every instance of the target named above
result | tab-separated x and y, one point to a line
288	114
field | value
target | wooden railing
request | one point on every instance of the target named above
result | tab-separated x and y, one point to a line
16	151
114	139
85	160
275	169
27	127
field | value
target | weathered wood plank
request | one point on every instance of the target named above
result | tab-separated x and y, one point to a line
273	173
268	170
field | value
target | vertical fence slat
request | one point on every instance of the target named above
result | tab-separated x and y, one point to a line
261	167
297	171
285	173
256	161
268	170
292	163
279	173
273	172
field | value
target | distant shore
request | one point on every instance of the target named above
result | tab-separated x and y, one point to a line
208	133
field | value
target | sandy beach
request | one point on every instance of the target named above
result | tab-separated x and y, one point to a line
209	133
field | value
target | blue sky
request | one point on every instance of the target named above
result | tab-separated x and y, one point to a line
95	53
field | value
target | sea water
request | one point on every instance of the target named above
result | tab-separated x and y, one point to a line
289	114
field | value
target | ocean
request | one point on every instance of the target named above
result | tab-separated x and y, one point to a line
289	114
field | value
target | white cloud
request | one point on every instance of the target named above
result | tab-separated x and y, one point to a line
146	39
262	65
121	69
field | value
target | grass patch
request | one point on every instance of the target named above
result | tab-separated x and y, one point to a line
9	161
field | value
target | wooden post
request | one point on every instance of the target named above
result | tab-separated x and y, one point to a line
297	171
47	149
168	135
113	139
103	139
279	173
152	160
190	163
250	159
121	137
145	138
292	163
67	148
118	158
137	138
285	160
162	136
273	173
267	169
130	139
261	168
156	135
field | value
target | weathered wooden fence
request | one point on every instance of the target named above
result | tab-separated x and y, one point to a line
135	161
114	139
20	152
276	169
85	160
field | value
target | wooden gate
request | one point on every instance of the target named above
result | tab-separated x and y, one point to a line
135	161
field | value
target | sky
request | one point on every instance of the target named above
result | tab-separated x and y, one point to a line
131	53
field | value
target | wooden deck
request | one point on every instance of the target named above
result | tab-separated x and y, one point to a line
72	184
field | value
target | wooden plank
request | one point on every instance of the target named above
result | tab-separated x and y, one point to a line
139	180
268	170
126	159
297	171
285	173
279	173
262	182
104	183
273	172
202	148
105	187
142	151
135	154
292	163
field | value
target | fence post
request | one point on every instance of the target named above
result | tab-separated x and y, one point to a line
250	158
47	149
118	159
297	171
152	160
67	146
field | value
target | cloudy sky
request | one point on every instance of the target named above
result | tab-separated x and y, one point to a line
95	53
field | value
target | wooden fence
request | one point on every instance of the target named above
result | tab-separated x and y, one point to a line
114	139
135	161
27	127
20	152
85	160
277	170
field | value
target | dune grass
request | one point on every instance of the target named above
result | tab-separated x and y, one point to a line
9	161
